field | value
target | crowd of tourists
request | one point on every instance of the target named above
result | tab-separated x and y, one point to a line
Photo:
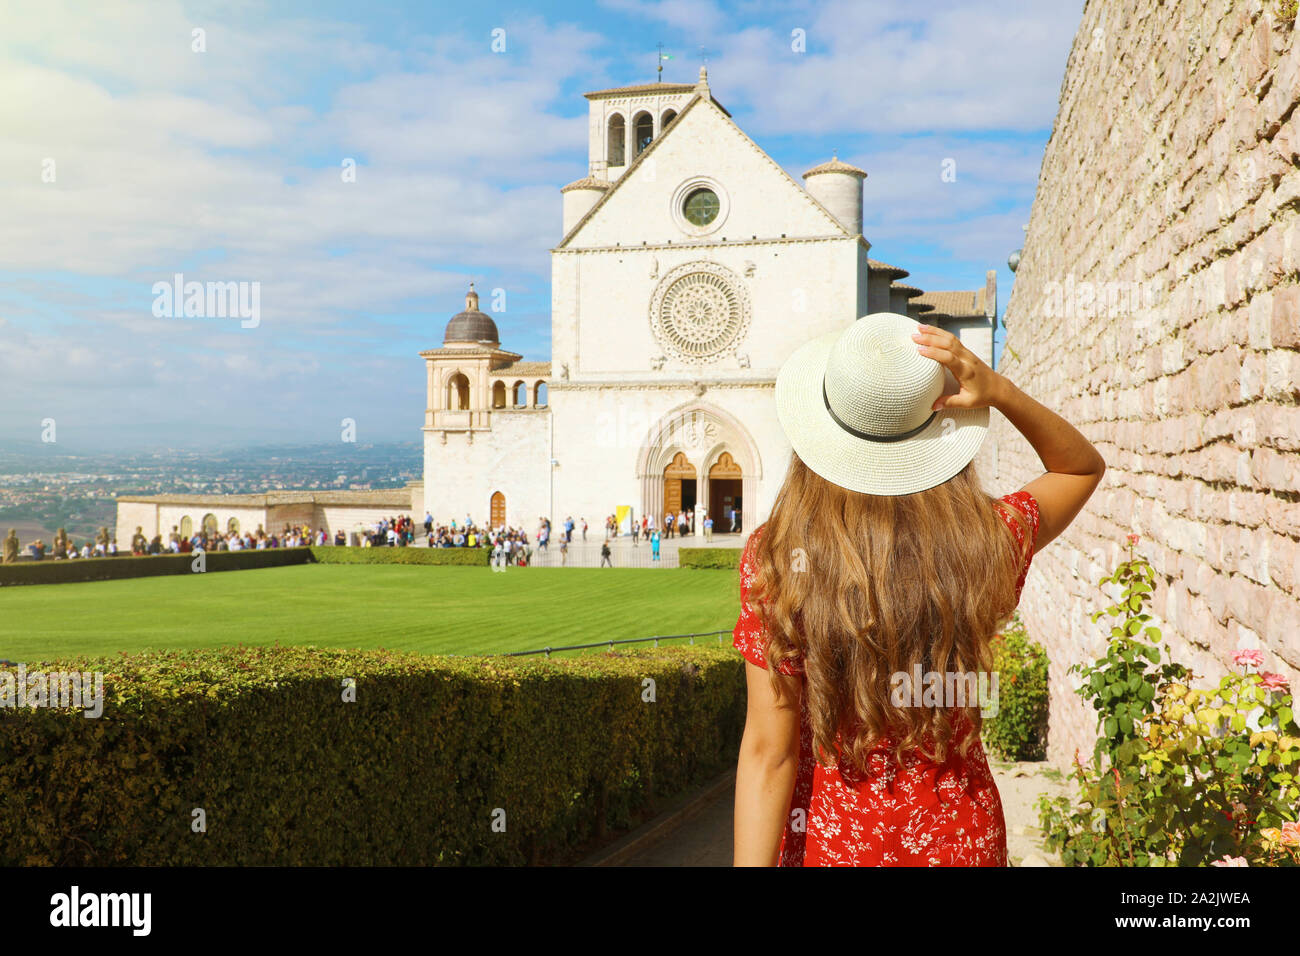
510	545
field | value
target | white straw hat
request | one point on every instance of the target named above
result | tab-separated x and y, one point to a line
855	405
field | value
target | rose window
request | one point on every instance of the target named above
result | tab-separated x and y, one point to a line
699	312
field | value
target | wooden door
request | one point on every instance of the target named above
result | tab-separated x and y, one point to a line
678	469
497	510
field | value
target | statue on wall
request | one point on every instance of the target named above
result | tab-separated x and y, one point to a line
102	538
11	546
61	543
138	543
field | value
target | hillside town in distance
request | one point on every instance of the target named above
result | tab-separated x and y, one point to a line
42	491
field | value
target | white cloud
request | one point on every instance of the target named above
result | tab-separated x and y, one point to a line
879	66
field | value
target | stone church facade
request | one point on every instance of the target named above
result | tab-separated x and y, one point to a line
689	266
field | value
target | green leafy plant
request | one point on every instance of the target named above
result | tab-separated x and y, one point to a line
1019	729
1122	684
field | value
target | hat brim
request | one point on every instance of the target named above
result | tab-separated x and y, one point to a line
932	456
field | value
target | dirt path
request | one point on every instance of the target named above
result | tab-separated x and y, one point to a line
1020	785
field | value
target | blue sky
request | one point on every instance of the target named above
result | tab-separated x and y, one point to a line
224	165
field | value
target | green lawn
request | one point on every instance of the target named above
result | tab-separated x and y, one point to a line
435	610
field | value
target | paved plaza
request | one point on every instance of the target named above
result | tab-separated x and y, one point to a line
624	553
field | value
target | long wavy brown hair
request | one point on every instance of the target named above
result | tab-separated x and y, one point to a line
862	587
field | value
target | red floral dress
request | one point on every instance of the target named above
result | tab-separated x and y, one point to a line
919	814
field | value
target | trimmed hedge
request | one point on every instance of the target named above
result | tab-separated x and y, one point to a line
725	558
52	571
457	557
411	773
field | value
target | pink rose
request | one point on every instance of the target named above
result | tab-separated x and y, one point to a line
1231	861
1290	834
1274	682
1133	539
1248	658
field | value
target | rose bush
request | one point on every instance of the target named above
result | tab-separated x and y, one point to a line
1181	775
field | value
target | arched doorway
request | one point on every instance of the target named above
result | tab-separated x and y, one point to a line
497	510
187	526
679	485
719	445
726	488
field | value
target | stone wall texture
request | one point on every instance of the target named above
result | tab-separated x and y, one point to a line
1156	307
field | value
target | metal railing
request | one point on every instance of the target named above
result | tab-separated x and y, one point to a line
610	644
588	556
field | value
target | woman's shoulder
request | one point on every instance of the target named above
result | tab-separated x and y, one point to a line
749	554
1025	503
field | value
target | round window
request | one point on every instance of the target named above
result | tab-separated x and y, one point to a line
701	207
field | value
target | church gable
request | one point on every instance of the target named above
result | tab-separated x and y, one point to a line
702	180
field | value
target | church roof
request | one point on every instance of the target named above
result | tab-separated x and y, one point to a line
641	88
835	166
916	305
586	182
472	325
525	370
910	291
894	272
958	304
654	143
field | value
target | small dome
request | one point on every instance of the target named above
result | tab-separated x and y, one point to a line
587	182
472	326
885	269
835	166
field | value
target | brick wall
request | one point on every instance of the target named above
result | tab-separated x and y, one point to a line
1156	308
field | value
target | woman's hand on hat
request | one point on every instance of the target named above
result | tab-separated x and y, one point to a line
978	382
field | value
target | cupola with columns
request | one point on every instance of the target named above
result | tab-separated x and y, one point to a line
470	376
